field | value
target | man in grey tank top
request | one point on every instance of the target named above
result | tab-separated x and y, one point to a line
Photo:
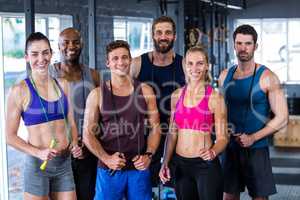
81	80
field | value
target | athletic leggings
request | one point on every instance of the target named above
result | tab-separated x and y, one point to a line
196	179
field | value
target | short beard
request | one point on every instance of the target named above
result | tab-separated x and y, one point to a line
245	59
163	50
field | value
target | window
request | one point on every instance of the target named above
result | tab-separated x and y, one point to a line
14	70
136	31
278	45
51	25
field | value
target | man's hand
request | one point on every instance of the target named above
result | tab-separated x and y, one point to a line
141	162
76	151
116	161
245	140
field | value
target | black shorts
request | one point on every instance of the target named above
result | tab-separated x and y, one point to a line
248	167
85	172
197	179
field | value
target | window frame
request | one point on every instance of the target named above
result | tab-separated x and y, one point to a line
3	158
260	21
128	19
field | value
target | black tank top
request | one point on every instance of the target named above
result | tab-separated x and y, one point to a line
164	81
123	127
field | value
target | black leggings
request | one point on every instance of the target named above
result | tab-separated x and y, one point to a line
196	179
85	172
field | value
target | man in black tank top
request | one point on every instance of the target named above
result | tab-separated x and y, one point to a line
121	104
81	80
162	69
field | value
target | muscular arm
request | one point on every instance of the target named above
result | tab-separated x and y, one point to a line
135	67
96	77
14	107
217	105
153	117
271	84
171	139
91	127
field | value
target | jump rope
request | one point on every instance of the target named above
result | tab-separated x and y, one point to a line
245	113
53	142
117	120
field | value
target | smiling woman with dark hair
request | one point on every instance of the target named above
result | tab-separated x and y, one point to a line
43	104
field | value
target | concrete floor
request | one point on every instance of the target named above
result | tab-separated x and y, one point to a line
284	192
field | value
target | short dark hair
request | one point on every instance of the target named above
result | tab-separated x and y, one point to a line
246	29
163	19
117	44
36	36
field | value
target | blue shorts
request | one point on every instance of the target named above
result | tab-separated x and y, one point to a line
132	184
58	176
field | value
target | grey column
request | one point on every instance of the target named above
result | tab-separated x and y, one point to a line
29	21
92	35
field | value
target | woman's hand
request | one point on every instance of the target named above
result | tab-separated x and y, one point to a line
207	154
164	173
47	154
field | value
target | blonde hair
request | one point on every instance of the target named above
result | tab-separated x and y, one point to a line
201	49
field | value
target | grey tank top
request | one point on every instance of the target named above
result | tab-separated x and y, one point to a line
79	93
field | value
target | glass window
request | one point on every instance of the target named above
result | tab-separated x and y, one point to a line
294	50
274	53
14	70
3	164
278	45
136	31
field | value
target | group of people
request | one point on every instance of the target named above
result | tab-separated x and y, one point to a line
157	119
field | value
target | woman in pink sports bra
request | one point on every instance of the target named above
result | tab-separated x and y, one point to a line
197	112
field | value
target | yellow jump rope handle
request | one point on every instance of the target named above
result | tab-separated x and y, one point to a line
44	164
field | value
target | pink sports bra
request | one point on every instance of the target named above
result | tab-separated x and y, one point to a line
195	118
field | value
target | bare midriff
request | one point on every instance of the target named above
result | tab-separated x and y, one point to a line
190	142
40	135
